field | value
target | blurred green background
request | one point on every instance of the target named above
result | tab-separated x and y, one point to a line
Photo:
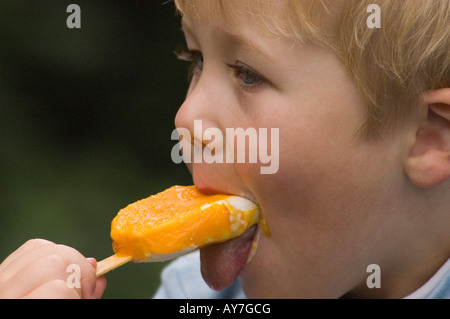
85	122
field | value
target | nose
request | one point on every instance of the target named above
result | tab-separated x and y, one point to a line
210	103
206	101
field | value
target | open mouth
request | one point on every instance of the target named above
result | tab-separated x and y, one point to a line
222	263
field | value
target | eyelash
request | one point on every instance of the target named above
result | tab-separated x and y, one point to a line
241	72
194	57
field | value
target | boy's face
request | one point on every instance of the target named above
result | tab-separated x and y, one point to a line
325	204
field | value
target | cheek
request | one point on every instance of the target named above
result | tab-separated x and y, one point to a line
308	204
323	184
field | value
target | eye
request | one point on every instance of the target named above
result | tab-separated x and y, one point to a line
193	56
249	79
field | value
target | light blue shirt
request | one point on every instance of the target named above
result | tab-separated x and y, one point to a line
437	287
182	279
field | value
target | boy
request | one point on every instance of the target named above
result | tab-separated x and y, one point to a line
364	151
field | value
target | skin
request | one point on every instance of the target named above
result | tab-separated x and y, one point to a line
338	203
38	269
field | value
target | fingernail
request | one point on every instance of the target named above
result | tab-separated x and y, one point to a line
92	261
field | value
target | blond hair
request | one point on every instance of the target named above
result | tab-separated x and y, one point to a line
391	65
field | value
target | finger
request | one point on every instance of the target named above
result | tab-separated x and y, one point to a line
99	288
58	258
26	254
30	251
31	277
55	289
87	271
92	261
30	245
100	285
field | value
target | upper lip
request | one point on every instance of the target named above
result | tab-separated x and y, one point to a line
208	189
211	190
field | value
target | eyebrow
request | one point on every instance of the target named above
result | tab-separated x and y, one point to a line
248	45
236	40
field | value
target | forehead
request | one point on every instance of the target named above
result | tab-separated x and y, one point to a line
298	20
267	15
214	9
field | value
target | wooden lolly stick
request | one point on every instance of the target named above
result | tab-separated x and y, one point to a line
110	263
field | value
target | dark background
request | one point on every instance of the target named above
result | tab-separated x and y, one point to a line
86	117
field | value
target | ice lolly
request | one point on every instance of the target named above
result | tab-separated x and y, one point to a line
175	222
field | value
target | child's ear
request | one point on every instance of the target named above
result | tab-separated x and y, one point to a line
428	163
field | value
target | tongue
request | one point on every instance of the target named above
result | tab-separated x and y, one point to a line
222	263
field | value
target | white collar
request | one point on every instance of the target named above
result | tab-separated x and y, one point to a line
424	291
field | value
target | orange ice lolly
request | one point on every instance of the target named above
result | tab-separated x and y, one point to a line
175	222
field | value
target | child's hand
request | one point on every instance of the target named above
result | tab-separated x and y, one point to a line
38	269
